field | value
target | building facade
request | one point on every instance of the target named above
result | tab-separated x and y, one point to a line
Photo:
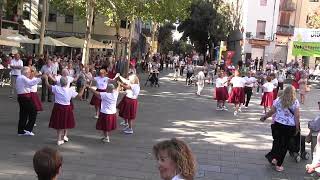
295	26
259	29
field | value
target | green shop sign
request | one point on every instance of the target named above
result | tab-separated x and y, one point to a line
306	49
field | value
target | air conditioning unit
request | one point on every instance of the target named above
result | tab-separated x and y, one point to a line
248	34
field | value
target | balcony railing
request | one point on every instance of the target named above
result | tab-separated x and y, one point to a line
285	30
288	6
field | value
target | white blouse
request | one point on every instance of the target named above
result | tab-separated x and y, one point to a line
238	82
268	87
102	82
133	92
109	102
220	82
24	84
63	95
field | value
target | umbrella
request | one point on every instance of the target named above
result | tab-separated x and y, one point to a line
72	41
7	42
79	43
49	41
19	38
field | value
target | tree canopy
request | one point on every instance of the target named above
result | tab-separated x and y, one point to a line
208	23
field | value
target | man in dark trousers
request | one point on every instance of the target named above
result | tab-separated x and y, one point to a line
46	69
28	113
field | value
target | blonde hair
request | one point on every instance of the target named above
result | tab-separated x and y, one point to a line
288	97
134	79
180	153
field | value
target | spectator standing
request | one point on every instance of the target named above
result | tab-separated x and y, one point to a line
16	65
46	69
47	163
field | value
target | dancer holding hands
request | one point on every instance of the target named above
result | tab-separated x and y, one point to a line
128	106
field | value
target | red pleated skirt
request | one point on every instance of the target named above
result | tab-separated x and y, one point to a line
295	84
95	101
62	117
106	122
222	94
128	108
36	101
275	93
267	99
237	95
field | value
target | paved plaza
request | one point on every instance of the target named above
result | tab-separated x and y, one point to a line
226	147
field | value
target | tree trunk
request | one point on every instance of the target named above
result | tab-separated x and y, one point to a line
153	35
117	53
132	27
89	18
43	26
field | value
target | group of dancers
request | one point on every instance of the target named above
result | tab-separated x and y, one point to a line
62	118
242	90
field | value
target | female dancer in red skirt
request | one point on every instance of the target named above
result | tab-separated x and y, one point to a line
101	83
275	83
237	96
34	95
128	106
221	91
107	120
267	98
62	117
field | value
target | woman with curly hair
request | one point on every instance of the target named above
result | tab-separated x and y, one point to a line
286	114
175	160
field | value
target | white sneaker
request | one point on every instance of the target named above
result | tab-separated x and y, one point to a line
246	107
59	143
96	117
123	123
219	109
106	139
239	110
29	133
235	113
23	134
225	108
128	131
65	139
125	128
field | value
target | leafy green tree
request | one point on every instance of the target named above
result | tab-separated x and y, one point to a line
207	25
165	38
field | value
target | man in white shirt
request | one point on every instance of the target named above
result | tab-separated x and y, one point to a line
28	113
251	81
16	65
48	70
200	81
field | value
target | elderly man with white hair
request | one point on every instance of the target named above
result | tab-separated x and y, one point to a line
200	81
62	117
28	113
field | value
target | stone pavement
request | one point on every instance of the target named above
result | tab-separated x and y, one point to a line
226	148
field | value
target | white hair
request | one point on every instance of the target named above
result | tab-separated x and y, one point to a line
63	81
25	70
65	72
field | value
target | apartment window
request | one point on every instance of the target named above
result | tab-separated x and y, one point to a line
39	15
261	29
284	18
263	2
314	0
52	17
68	19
